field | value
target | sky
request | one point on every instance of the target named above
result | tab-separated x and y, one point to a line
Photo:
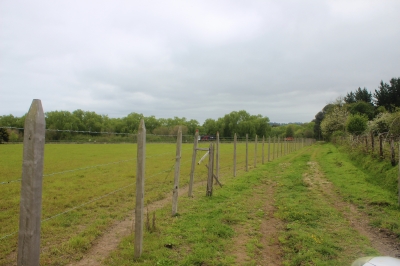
195	59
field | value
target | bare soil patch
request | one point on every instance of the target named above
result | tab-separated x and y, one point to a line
382	240
270	226
270	253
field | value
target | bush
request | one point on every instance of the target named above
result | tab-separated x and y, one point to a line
356	124
4	136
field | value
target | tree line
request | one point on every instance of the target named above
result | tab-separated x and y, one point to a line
360	112
79	125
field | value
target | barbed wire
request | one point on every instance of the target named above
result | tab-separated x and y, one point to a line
114	191
88	202
88	167
97	132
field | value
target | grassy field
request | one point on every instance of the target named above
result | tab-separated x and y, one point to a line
305	196
315	229
86	187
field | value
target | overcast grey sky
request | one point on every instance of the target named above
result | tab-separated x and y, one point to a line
196	59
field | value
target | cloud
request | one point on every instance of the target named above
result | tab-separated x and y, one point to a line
197	59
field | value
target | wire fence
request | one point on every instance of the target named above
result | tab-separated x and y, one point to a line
97	188
384	146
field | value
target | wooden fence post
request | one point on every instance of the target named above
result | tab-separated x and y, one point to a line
277	147
372	143
269	144
247	152
176	174
217	158
255	152
273	149
31	186
392	153
284	143
140	172
210	171
196	139
380	146
262	150
234	154
366	144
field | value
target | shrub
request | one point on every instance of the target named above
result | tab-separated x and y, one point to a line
356	124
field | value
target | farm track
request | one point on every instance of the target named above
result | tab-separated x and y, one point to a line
271	253
110	240
382	240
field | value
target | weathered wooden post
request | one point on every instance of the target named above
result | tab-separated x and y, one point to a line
255	152
366	144
285	143
262	150
392	153
140	172
372	143
398	179
31	186
176	174
247	152
273	149
269	146
234	154
380	146
210	171
277	147
196	140
217	158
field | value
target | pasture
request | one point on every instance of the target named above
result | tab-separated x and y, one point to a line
87	187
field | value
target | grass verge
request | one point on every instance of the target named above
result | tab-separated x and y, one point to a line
371	189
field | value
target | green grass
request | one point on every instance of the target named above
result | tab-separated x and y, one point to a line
314	231
97	170
370	186
201	233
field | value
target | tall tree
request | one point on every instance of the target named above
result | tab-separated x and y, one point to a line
387	95
363	95
289	131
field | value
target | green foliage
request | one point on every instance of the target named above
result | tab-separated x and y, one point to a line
386	122
361	107
387	95
64	125
356	124
359	95
4	135
304	130
289	131
319	117
335	120
240	122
